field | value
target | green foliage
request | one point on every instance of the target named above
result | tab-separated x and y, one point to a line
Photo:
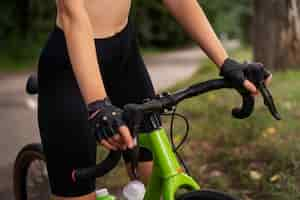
230	17
256	158
156	27
26	24
7	19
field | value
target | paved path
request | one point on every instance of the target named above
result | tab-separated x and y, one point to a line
168	68
18	117
171	67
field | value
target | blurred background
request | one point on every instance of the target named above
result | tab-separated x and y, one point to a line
257	158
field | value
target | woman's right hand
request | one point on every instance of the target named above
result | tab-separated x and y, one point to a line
108	126
247	75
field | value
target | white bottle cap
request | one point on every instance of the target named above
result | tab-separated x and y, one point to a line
102	192
134	190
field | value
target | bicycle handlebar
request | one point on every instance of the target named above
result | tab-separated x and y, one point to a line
167	101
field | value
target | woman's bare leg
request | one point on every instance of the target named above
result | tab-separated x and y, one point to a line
144	170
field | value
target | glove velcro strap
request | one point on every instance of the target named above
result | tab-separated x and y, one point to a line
233	71
97	105
229	66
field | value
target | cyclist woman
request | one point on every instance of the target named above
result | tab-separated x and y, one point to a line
89	68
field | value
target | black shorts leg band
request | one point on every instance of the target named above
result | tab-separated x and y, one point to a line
145	155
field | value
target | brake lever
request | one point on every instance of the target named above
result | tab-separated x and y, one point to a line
268	100
133	117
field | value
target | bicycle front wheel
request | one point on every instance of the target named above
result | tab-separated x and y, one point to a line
206	195
30	174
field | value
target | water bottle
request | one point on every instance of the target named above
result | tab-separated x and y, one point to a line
134	190
104	195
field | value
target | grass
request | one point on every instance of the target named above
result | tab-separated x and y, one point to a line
257	158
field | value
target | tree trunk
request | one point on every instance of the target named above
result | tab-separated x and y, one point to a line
277	33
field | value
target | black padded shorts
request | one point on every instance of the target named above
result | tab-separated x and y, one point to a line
62	115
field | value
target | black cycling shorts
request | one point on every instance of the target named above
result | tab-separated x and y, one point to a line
67	140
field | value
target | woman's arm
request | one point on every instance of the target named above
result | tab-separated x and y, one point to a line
191	16
81	48
82	52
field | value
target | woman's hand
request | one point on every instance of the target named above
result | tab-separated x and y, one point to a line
108	126
246	75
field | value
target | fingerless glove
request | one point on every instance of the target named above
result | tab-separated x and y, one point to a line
237	73
104	118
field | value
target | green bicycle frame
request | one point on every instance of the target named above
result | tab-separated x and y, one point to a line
168	175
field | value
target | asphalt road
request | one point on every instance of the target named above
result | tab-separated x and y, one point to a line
17	127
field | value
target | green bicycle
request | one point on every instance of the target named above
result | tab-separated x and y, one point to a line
169	172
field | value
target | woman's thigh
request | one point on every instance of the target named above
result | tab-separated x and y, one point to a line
67	140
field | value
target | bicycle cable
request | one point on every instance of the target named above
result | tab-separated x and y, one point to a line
175	148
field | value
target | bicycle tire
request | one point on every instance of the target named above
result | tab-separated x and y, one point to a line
28	154
206	195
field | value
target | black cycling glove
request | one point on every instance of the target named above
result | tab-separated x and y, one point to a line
237	73
104	119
